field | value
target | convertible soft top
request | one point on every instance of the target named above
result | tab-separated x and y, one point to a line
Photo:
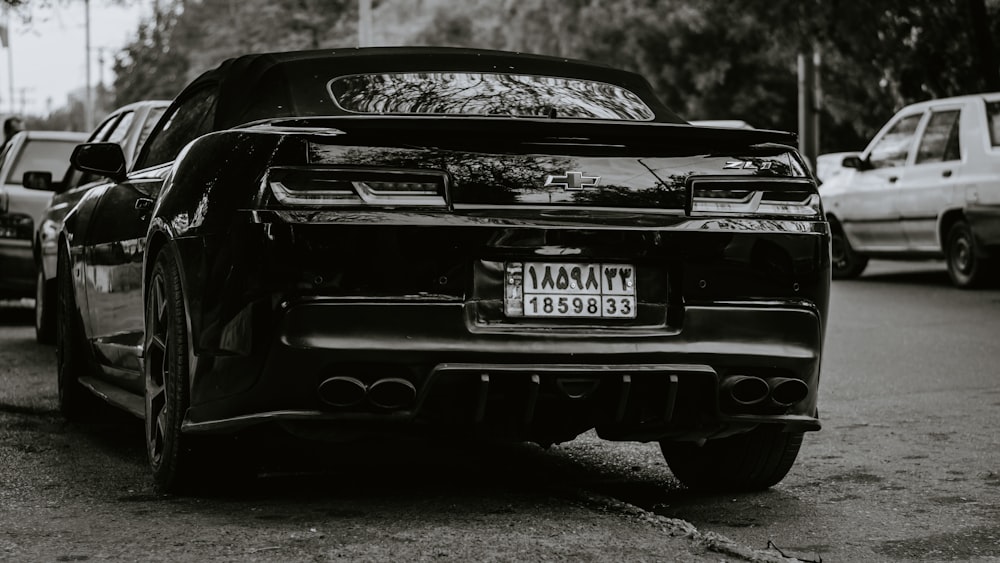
294	84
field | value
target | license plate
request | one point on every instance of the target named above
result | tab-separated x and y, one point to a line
569	290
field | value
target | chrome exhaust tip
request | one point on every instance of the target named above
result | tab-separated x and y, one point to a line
745	389
392	393
785	391
342	391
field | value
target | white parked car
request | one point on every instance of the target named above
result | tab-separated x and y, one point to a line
21	204
927	186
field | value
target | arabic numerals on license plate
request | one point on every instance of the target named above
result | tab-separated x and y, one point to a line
623	306
551	289
544	304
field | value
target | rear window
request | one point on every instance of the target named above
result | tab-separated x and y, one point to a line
479	94
42	155
993	116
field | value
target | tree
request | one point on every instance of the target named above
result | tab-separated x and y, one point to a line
737	58
154	64
185	39
732	59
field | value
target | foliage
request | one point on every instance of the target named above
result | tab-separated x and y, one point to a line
709	59
154	65
185	39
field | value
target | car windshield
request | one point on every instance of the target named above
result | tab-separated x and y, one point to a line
475	93
43	155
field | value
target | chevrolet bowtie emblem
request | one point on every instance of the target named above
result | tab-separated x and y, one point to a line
572	181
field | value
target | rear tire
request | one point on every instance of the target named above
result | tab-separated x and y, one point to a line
752	461
181	463
965	268
46	302
75	401
846	263
166	372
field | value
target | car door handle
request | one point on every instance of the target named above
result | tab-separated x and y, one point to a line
892	179
946	173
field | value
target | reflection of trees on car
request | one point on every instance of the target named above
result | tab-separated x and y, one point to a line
479	178
486	94
661	196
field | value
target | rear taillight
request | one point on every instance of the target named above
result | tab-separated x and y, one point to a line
784	197
16	226
322	187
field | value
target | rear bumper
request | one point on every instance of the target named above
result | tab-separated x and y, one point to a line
535	383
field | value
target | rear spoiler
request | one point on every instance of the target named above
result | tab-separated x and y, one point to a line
543	131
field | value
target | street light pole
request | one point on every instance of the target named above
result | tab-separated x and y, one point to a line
88	110
8	33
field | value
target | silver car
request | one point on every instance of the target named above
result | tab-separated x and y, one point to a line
127	126
927	186
21	206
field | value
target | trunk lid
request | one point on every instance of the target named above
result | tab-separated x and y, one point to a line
540	163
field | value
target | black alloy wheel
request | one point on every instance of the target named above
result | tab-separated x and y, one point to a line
846	263
965	268
46	297
181	463
72	363
165	365
752	461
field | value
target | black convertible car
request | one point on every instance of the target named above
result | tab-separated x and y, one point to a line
446	242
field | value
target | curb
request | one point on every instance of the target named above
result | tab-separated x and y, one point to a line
675	527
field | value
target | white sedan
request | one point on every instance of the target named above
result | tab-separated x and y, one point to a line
927	186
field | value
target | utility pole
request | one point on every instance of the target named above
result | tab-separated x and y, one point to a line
88	110
10	54
364	23
24	98
810	106
100	68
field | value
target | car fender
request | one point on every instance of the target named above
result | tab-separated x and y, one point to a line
214	177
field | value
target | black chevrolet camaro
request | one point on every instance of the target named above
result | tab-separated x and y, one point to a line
452	243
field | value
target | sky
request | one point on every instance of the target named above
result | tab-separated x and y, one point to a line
48	52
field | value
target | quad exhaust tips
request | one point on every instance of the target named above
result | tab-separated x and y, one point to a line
388	393
392	393
745	389
342	391
786	391
750	390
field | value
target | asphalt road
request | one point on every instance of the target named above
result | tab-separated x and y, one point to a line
906	468
81	492
907	465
